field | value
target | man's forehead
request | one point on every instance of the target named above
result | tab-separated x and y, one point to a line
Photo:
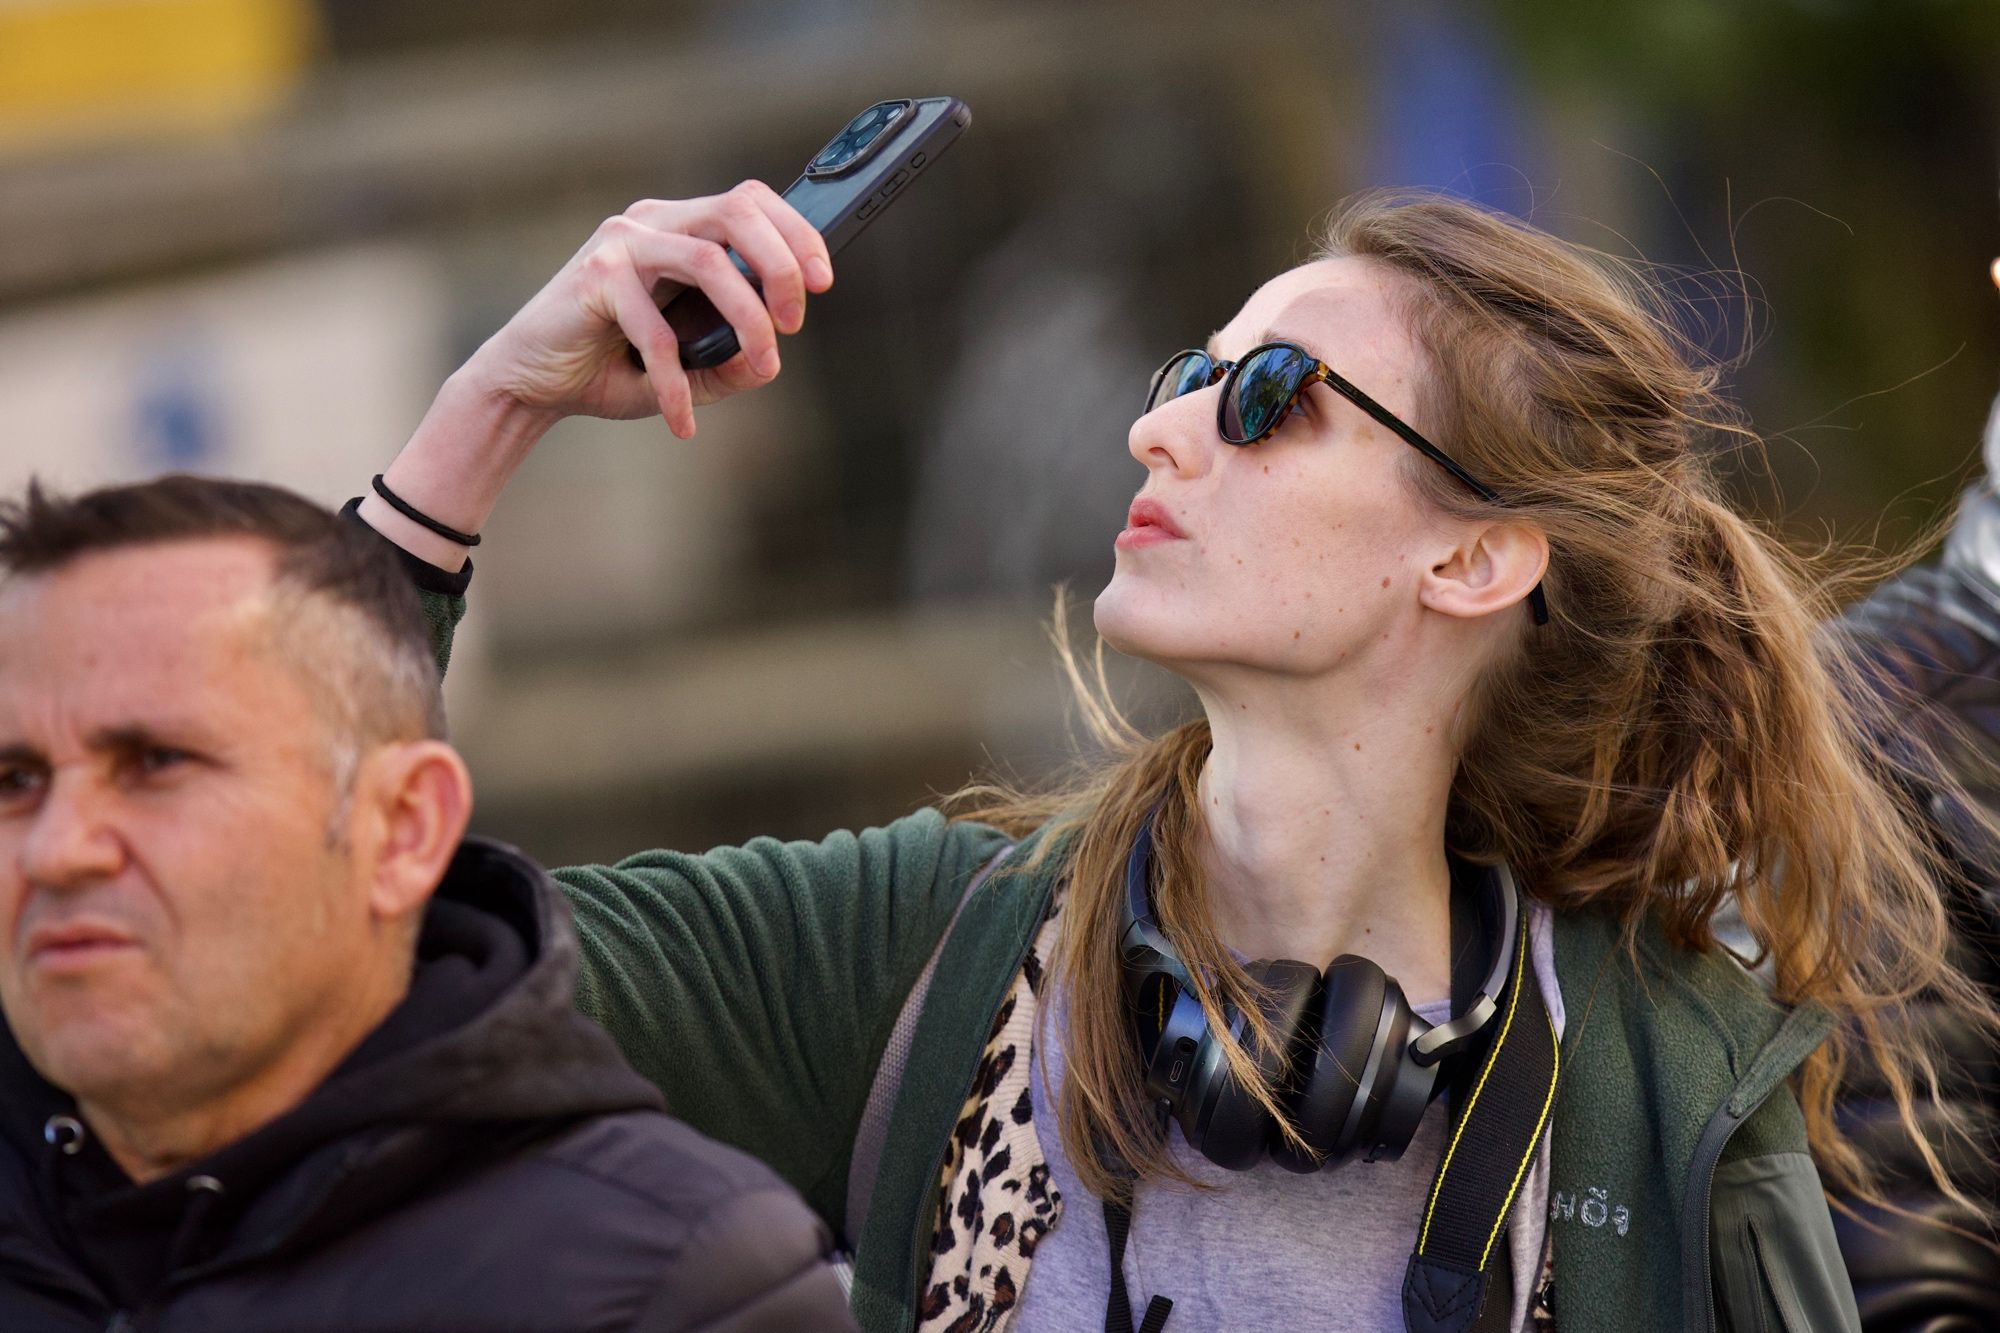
228	575
147	611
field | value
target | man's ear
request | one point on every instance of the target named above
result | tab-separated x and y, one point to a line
1493	567
414	799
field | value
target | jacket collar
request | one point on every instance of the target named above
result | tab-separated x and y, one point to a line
1708	1020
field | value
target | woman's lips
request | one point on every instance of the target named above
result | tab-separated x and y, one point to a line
1148	524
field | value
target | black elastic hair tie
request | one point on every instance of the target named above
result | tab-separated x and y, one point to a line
419	517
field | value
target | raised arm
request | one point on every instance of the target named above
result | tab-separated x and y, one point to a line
564	353
755	985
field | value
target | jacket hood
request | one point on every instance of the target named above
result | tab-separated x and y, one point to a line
499	1041
486	1052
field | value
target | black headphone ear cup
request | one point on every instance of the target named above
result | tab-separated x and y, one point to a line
1329	1076
1219	1117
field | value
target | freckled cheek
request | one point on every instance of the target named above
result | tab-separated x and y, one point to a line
1286	565
1310	594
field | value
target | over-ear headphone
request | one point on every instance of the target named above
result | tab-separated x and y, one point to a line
1355	1068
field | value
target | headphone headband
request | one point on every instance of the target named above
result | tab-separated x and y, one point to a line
1143	943
1503	903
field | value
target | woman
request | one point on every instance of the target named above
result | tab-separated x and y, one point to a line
1361	502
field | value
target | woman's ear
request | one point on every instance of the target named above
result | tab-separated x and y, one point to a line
1494	567
417	799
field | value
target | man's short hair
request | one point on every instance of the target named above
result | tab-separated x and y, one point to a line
344	611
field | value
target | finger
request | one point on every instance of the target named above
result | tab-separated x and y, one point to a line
807	245
750	230
669	214
698	263
1996	273
643	326
736	375
701	217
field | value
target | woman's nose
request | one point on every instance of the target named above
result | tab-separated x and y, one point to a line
1178	436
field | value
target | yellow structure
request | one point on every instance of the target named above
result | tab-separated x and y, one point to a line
77	70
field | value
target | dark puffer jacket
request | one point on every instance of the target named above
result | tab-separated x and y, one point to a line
484	1160
1936	633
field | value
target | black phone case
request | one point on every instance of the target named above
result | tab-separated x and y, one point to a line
841	207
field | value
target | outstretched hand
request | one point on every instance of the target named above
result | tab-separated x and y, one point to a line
563	353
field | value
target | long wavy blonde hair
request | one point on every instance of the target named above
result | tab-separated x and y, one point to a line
1686	733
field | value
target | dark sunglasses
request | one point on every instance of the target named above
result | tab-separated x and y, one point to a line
1260	391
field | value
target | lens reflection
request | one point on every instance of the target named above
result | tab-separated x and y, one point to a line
1184	374
1264	387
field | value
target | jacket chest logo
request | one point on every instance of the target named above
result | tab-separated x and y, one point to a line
1595	1209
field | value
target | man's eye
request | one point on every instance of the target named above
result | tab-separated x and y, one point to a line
159	758
19	780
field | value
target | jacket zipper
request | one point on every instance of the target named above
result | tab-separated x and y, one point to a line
1698	1276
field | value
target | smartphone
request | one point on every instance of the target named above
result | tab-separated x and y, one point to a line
847	185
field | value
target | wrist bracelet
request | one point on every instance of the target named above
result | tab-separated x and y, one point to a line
419	517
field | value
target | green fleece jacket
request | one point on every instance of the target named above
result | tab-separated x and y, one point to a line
758	985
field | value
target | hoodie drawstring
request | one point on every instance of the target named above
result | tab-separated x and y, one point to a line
67	1135
204	1192
64	1133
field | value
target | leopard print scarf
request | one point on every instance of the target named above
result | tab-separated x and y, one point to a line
995	1200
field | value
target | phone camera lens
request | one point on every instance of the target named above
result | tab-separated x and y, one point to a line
854	140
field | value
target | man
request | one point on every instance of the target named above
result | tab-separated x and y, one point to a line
285	1051
1933	638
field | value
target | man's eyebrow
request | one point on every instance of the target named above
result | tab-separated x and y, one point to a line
124	737
121	739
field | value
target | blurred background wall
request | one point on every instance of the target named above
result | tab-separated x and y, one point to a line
251	236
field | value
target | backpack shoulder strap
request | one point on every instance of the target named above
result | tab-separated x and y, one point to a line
865	1162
